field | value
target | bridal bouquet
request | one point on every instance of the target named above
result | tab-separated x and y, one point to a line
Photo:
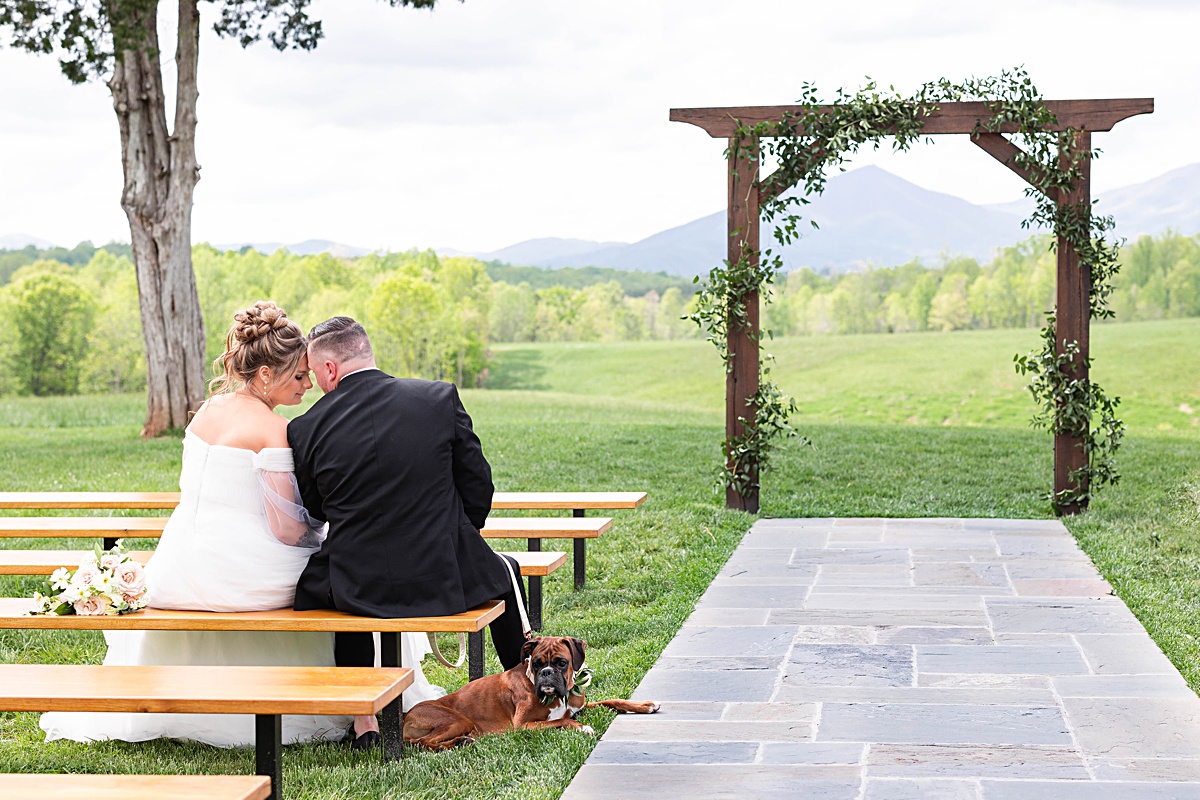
107	582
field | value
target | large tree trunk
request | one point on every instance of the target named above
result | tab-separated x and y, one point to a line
160	177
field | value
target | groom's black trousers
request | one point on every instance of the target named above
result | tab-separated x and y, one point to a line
508	636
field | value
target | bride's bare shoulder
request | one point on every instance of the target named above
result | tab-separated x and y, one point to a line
232	422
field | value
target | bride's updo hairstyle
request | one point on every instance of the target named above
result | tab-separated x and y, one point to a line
261	336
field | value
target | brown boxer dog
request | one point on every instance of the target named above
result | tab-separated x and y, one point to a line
537	693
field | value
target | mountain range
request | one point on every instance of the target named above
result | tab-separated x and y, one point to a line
870	216
865	216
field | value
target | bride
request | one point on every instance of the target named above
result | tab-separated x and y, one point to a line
237	542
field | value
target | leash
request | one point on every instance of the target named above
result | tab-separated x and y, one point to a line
441	659
526	628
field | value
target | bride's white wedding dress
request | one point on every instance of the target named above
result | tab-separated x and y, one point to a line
220	551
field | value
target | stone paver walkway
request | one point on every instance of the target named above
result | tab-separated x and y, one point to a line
959	659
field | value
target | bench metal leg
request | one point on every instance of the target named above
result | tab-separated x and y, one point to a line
535	591
580	557
535	602
110	542
268	751
474	655
392	727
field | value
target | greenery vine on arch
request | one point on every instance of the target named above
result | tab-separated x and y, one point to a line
806	145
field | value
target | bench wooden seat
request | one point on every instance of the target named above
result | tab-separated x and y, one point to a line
534	566
44	562
152	527
266	692
504	500
82	527
134	787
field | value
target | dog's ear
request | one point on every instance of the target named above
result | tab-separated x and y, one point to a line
577	647
527	648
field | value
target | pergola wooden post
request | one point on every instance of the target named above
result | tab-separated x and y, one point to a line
746	190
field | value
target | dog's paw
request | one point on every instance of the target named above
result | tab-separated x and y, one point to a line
653	706
589	730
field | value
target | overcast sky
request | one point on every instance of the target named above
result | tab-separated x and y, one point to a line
489	122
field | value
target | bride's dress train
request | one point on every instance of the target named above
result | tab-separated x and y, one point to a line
218	553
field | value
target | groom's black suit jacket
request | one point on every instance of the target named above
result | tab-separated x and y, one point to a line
394	467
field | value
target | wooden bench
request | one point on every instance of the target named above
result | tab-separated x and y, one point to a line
266	692
14	615
111	528
534	565
60	786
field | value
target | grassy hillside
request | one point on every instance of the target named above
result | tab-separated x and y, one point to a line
964	378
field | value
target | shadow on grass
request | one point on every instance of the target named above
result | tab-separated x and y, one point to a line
517	369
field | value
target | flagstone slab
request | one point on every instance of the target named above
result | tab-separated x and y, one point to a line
775	538
1068	615
1131	654
1165	685
727	617
1135	727
849	665
1065	587
1087	790
610	751
1062	762
920	789
1146	769
879	617
722	663
1041	696
913	635
748	685
1035	569
856	555
716	782
710	642
1001	659
759	595
963	574
950	724
663	729
811	753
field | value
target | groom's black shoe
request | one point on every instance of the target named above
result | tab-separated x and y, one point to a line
368	741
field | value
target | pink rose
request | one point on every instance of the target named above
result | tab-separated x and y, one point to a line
93	606
130	578
110	561
132	599
86	575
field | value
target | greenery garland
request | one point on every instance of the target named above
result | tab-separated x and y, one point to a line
806	145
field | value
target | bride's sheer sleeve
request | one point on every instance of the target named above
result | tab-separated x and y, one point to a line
287	517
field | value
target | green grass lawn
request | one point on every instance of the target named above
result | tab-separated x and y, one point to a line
914	425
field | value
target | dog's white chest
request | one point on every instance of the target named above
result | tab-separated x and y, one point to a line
558	712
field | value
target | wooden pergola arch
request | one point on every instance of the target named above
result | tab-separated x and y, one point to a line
747	190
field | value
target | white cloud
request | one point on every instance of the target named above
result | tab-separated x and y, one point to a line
492	121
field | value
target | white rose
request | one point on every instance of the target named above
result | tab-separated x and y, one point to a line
72	594
129	578
94	606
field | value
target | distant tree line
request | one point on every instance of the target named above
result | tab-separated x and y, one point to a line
69	319
1159	278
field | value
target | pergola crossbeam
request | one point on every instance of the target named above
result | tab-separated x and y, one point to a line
1090	115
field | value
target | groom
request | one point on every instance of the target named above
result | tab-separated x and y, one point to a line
394	467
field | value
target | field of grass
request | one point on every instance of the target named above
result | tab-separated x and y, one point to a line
918	425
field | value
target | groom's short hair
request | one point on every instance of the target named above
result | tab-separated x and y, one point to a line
343	338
